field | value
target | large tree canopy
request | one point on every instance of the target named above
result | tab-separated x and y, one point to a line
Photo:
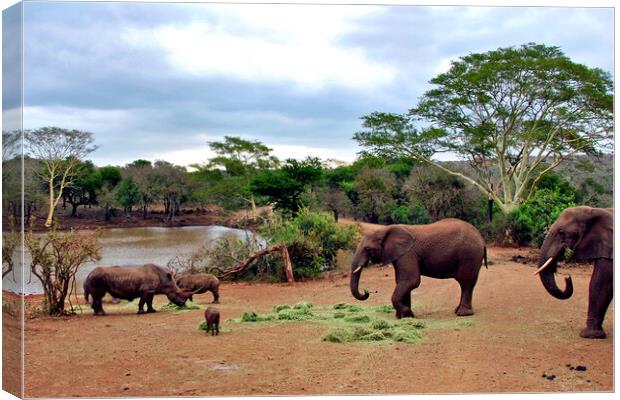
513	114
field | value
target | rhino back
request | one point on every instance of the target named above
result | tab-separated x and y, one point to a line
130	282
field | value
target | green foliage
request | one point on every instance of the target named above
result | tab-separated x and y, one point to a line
442	195
128	194
284	187
312	239
241	157
230	193
564	108
532	220
375	190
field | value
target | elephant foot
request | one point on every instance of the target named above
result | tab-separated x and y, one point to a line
404	313
463	311
591	333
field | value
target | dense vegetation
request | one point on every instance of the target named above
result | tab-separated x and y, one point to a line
532	130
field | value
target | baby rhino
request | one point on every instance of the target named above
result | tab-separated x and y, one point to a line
200	283
212	316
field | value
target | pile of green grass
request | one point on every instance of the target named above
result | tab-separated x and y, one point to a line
283	312
351	323
376	330
171	307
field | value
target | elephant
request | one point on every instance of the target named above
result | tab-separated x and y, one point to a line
200	283
449	248
128	283
212	316
588	232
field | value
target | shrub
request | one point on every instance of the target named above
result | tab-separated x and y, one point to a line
313	240
531	221
56	259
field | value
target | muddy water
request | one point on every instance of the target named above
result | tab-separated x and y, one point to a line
134	246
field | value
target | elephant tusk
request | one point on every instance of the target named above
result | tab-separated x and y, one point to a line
545	265
357	269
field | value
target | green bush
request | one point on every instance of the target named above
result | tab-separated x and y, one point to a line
313	240
531	221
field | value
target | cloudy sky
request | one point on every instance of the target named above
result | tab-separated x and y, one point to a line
160	80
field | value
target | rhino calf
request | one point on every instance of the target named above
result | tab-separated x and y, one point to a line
128	283
212	316
200	283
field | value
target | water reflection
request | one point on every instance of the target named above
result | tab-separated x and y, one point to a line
134	246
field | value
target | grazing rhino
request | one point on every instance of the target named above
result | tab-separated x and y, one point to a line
212	316
128	283
200	283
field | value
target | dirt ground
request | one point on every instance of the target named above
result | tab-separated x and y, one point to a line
518	333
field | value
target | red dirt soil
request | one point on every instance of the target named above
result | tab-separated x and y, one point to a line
518	333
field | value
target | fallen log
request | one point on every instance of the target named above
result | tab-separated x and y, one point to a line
288	267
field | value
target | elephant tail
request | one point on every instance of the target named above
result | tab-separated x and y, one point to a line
486	265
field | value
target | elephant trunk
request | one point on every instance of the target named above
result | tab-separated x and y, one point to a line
359	262
552	250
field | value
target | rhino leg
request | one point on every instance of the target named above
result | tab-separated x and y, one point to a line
149	303
216	296
97	306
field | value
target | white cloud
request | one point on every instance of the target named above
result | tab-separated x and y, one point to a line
75	118
300	152
282	44
201	155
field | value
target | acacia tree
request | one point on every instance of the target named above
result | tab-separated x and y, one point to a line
285	187
60	151
513	114
242	158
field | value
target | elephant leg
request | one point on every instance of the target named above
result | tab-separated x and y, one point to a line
465	308
149	303
600	294
407	278
467	277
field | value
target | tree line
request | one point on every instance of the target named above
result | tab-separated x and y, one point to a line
513	117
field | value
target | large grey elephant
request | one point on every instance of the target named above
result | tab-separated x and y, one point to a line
128	283
449	248
588	232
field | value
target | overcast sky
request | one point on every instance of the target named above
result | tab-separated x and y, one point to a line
160	80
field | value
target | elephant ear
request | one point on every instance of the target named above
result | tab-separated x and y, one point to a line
396	243
598	237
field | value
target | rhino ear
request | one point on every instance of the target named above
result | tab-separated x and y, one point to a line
397	242
597	237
